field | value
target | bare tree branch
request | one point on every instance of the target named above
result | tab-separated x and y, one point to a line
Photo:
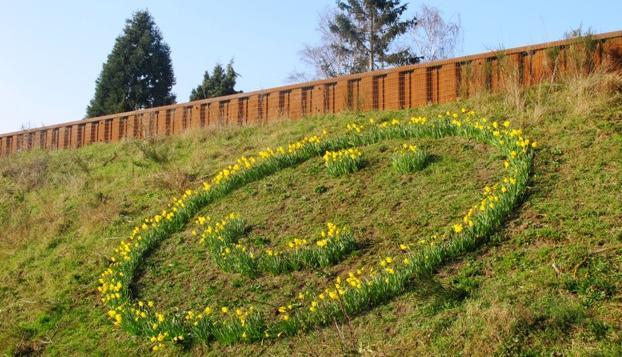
435	38
429	37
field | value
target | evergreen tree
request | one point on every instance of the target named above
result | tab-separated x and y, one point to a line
138	73
221	82
366	31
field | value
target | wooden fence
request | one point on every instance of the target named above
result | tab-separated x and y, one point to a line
390	89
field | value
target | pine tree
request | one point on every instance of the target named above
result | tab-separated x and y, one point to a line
221	82
366	31
138	73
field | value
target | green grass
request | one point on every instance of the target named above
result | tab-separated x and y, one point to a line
548	281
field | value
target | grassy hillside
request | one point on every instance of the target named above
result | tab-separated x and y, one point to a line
548	281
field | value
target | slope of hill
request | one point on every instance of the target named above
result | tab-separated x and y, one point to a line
548	281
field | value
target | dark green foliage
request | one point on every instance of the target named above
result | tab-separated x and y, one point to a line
366	31
221	82
138	73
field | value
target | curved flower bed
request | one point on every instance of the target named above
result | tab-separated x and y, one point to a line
355	292
221	239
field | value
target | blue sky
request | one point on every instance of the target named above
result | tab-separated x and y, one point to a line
52	51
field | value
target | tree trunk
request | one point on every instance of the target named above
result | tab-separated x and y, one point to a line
371	37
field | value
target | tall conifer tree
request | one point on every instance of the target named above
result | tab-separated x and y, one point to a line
366	30
138	73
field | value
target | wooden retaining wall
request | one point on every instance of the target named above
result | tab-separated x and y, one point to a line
390	89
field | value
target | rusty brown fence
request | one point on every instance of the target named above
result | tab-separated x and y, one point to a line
391	89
